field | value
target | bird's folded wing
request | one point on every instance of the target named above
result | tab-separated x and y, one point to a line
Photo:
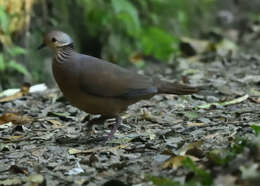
101	78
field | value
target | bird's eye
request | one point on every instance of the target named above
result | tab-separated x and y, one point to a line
53	40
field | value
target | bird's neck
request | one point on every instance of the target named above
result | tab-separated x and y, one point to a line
63	53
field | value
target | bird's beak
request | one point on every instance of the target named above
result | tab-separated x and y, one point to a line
41	46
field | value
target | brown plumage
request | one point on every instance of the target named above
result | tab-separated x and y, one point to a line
99	87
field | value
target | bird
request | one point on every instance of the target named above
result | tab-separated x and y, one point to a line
100	87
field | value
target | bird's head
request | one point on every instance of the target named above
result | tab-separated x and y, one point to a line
56	39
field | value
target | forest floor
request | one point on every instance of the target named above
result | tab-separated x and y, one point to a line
167	140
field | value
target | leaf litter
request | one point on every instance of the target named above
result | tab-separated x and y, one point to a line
167	139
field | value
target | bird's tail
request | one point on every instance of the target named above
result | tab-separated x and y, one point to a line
165	87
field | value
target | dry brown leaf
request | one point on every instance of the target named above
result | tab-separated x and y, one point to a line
136	58
199	46
176	161
147	115
255	99
190	146
98	149
56	124
210	136
13	138
15	118
195	124
16	169
24	91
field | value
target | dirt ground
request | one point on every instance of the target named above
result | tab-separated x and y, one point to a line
54	146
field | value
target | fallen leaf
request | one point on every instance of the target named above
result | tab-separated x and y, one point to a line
255	99
199	46
75	171
249	171
44	137
23	91
149	117
36	178
250	79
225	47
62	116
232	102
38	88
97	149
195	124
5	125
13	138
211	136
176	161
253	92
195	152
15	119
187	147
75	151
191	115
136	58
14	181
15	169
56	124
34	88
223	180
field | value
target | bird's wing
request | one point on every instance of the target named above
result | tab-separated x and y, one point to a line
101	78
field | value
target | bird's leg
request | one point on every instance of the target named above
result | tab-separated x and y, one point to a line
100	120
104	139
114	129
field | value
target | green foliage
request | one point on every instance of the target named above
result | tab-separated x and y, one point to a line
163	181
129	26
220	157
16	50
2	63
201	176
158	43
239	145
224	156
127	13
4	19
13	65
8	63
192	115
256	128
159	181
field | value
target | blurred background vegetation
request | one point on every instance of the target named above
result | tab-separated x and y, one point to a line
127	32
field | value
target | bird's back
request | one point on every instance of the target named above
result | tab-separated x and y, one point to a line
105	79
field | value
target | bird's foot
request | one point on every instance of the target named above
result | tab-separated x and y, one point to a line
90	124
101	120
103	140
114	129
